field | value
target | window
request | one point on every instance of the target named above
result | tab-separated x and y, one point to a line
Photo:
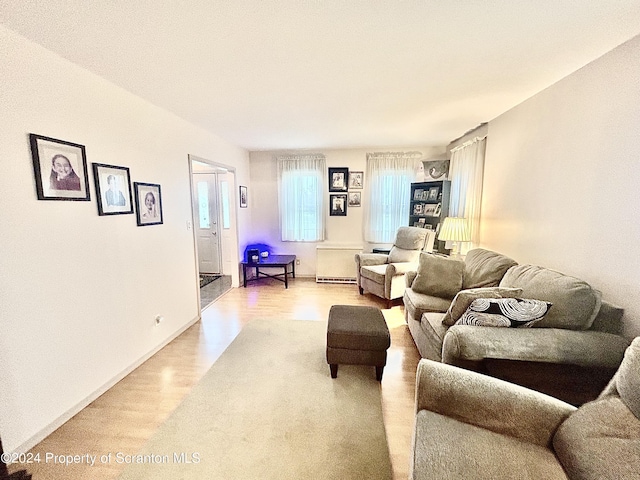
301	197
388	194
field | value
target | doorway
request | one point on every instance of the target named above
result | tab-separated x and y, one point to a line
213	188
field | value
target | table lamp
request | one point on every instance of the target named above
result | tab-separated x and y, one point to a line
455	230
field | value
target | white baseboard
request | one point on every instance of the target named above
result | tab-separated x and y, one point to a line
65	417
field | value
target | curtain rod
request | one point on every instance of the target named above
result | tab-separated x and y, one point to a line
468	142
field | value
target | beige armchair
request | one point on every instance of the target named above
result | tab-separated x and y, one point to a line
383	275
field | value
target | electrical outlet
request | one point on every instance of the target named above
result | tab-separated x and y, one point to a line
159	319
297	261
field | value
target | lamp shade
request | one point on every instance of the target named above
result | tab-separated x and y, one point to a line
454	229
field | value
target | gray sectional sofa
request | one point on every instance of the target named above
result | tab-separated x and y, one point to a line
579	329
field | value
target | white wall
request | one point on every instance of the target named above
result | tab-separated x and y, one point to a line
562	179
79	292
347	230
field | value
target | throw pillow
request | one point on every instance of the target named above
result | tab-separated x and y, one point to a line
516	312
463	299
438	276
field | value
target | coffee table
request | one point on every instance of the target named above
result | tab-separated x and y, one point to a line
272	261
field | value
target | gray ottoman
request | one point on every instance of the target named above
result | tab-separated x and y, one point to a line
357	335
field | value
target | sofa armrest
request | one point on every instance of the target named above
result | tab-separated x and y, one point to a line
489	403
400	268
409	277
551	345
365	259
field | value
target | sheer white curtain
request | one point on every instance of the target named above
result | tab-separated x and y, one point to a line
389	177
301	190
467	169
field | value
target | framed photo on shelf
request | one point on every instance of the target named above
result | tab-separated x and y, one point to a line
338	178
243	197
338	205
356	180
355	199
433	194
113	188
60	169
417	194
148	203
428	210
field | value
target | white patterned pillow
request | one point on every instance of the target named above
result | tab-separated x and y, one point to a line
504	312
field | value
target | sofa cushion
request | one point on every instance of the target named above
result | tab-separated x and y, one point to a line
601	440
463	299
419	303
374	272
484	268
438	275
445	447
504	312
575	303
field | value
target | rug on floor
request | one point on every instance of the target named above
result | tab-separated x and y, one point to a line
207	279
269	409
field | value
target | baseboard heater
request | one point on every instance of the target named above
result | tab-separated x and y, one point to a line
336	263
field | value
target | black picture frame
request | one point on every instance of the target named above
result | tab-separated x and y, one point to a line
338	179
338	205
52	160
146	215
113	189
243	197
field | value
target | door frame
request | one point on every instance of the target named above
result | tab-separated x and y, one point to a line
235	272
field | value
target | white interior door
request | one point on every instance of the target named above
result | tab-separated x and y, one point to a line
207	228
226	200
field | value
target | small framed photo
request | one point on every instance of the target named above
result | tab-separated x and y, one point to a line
433	193
355	180
355	199
148	203
243	197
113	188
338	205
418	209
338	178
60	169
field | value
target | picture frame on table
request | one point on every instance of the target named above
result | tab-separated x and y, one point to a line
148	203
338	179
243	197
338	205
113	189
60	169
356	180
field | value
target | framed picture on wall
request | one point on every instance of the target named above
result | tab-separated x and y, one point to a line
338	178
60	169
355	199
338	205
436	170
356	180
243	197
148	203
113	188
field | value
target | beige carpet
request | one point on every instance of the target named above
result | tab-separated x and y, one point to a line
268	409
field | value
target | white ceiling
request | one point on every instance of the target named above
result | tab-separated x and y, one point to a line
285	74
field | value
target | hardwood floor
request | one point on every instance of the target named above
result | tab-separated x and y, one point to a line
121	420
